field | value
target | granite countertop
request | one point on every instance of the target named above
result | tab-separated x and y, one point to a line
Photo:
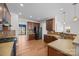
66	36
63	45
7	34
6	42
57	36
6	48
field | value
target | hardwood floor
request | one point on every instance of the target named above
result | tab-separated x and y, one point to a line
30	48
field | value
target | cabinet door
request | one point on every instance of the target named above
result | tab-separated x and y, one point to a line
49	39
50	24
54	52
31	36
45	38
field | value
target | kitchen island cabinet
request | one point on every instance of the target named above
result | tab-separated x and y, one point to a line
61	47
8	47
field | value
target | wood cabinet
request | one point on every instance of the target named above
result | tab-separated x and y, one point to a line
1	11
49	39
33	30
50	24
5	17
31	36
54	52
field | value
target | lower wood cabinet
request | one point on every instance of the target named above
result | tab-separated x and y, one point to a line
31	36
49	39
54	52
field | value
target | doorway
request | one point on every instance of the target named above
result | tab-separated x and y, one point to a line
33	30
22	29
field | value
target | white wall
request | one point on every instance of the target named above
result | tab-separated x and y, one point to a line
22	21
43	25
14	23
58	23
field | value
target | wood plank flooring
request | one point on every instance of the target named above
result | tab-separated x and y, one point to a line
30	48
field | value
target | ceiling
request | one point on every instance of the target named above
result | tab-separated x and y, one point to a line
38	11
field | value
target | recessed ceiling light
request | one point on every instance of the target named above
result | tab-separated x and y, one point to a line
31	16
21	5
20	13
61	9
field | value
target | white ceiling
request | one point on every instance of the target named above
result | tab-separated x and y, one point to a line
39	11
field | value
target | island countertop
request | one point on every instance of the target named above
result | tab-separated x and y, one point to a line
63	45
6	48
57	36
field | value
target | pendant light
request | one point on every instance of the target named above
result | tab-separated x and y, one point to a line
64	18
75	18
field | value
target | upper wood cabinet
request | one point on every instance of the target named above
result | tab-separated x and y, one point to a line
50	24
1	11
5	17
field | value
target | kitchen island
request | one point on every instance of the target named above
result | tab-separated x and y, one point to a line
6	48
61	47
7	43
